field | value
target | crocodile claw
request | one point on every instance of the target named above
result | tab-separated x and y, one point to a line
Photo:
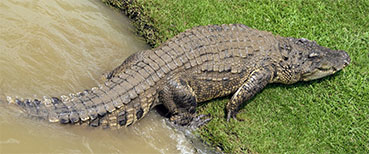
229	115
190	121
199	121
233	116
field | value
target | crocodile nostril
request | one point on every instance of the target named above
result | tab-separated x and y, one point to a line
346	62
346	58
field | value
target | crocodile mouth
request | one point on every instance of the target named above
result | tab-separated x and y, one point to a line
319	73
326	69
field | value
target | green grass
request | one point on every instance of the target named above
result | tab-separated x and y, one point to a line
329	115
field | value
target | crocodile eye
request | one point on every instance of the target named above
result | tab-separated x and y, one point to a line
313	54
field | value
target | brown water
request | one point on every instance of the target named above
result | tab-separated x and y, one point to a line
60	47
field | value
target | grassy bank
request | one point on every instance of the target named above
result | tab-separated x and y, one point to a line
327	115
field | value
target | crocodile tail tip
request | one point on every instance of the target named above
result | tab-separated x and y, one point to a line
10	100
32	107
14	103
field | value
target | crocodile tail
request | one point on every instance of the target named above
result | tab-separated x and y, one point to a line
63	109
95	107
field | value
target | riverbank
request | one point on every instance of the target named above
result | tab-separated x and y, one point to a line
327	115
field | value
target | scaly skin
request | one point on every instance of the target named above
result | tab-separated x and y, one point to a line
197	65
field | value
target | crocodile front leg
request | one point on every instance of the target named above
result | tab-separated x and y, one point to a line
255	82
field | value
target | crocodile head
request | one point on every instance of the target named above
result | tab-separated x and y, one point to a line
308	61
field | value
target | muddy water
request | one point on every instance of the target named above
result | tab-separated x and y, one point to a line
59	47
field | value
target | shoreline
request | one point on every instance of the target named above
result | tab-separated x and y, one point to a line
144	28
141	21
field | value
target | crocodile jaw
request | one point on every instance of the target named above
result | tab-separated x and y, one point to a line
317	74
327	69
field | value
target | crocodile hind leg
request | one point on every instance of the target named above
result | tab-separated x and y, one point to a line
178	97
255	82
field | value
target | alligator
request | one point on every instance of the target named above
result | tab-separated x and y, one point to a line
195	66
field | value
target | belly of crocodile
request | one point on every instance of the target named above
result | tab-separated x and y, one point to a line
210	85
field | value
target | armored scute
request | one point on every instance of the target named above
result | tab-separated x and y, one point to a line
197	65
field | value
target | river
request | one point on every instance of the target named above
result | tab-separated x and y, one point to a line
60	47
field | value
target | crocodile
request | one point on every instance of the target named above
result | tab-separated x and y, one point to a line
195	66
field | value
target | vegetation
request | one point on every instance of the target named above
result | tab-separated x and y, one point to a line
329	115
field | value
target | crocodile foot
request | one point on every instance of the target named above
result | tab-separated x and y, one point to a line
190	121
233	116
199	121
